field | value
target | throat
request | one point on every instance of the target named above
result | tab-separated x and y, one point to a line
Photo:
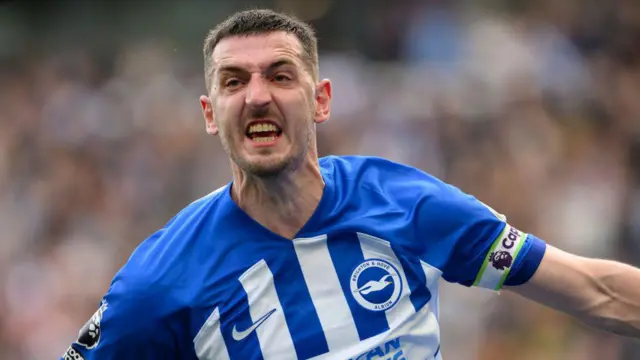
281	207
285	220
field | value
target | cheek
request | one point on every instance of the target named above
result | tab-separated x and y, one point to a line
300	106
226	115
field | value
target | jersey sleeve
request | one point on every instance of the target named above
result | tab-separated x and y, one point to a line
129	324
471	243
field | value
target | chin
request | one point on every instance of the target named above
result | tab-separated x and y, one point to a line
267	167
270	165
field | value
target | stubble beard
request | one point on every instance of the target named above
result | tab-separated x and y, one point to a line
270	169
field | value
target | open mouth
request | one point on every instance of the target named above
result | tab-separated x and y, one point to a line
263	132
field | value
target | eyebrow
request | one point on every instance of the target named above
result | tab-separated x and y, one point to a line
279	63
270	68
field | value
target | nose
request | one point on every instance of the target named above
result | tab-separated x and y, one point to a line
258	94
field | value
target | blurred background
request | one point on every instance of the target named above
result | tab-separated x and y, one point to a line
531	106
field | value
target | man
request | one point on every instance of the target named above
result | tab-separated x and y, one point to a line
337	258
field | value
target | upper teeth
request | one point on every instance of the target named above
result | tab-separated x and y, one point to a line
262	127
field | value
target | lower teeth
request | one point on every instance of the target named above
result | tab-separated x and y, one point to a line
264	139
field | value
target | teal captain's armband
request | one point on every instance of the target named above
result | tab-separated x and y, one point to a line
501	257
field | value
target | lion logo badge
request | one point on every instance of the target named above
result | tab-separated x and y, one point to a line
89	335
501	260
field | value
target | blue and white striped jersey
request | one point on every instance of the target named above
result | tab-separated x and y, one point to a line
359	281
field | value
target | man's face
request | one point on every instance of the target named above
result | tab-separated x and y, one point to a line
263	102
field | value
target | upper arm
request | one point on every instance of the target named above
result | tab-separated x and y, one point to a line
564	282
474	245
128	325
468	241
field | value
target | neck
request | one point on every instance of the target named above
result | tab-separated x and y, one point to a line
283	203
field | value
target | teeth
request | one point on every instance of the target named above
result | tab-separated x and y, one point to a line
262	128
264	139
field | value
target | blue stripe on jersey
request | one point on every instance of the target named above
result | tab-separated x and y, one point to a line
303	321
346	255
247	348
416	279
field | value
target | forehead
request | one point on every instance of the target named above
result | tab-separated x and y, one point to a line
256	51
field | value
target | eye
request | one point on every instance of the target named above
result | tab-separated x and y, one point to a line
281	78
232	82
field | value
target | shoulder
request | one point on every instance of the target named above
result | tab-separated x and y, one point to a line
161	261
140	306
387	177
356	163
199	207
400	186
374	168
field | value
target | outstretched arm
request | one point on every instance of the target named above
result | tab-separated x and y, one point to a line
601	293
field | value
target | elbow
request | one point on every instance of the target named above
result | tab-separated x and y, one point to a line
613	307
599	313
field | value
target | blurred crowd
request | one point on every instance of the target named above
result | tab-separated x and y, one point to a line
531	106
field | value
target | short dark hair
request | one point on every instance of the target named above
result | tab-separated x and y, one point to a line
261	21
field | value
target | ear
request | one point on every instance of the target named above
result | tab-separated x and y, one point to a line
207	112
323	101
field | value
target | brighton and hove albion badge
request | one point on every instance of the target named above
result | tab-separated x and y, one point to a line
376	284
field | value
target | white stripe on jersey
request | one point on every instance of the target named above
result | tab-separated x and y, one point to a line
209	343
324	286
432	275
372	248
419	337
273	335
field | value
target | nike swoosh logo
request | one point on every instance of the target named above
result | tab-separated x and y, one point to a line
240	335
